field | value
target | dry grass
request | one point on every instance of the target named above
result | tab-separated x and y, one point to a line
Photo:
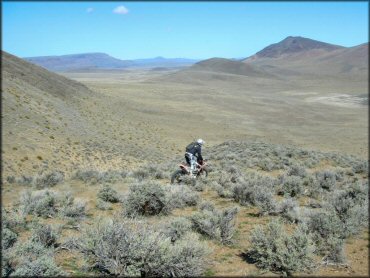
131	122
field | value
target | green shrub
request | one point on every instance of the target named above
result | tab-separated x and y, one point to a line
289	209
207	222
274	249
360	167
177	228
70	243
156	172
39	203
266	164
108	194
205	205
112	176
335	251
31	249
47	203
132	248
67	207
10	179
324	227
76	210
141	174
326	179
227	225
6	264
94	177
243	190
14	219
339	175
232	176
264	200
256	190
33	258
46	235
358	192
215	224
327	233
49	179
291	186
297	170
41	266
200	184
146	198
312	187
182	196
102	205
8	238
350	206
87	176
228	177
188	180
222	191
24	180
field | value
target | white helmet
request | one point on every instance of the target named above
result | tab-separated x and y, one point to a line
200	141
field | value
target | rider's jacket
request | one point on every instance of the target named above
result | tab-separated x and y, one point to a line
195	149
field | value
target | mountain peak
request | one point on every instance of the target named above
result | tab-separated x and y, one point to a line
292	45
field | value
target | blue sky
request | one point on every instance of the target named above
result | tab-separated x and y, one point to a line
130	30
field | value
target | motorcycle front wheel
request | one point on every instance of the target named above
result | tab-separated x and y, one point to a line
203	173
176	176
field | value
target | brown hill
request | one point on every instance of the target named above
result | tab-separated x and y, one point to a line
312	59
348	60
298	57
53	123
41	110
33	76
291	46
227	66
216	70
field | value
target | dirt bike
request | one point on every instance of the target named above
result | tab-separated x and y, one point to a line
185	172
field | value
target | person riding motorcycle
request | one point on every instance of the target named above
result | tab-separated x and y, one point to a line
193	153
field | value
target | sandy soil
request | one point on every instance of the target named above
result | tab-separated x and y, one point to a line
342	100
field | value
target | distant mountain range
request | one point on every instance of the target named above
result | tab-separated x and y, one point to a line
293	56
102	61
294	59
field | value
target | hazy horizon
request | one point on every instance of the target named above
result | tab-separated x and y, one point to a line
193	30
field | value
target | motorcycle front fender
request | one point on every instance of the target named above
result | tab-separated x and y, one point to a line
184	169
